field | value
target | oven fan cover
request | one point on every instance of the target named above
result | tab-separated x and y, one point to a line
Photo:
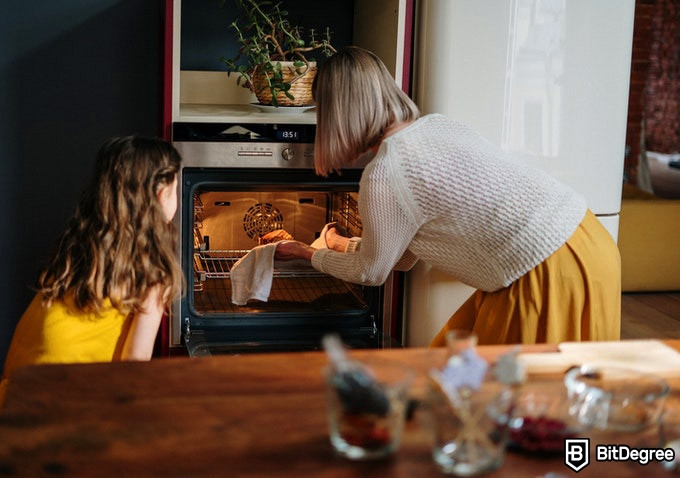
262	218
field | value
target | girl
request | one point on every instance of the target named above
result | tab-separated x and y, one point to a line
114	272
544	268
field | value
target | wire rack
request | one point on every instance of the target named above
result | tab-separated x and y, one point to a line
308	294
216	264
346	212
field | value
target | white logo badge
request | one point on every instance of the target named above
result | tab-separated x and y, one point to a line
577	453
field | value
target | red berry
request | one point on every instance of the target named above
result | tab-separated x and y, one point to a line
364	430
540	434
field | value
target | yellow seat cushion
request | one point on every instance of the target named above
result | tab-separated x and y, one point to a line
649	241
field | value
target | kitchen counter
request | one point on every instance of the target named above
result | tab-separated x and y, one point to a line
258	415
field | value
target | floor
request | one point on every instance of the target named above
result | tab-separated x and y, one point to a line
650	315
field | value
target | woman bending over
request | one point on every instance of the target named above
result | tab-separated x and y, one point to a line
544	267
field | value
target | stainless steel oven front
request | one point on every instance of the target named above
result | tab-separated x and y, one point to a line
238	182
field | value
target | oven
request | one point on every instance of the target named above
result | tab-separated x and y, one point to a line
238	182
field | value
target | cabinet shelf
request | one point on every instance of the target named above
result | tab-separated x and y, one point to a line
243	113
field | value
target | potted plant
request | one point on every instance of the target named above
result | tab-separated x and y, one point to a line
276	67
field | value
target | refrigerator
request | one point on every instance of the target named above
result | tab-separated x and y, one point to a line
547	81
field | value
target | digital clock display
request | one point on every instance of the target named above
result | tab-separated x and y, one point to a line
287	135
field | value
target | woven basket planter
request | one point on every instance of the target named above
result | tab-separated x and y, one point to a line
300	80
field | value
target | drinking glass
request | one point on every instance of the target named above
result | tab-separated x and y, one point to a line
367	409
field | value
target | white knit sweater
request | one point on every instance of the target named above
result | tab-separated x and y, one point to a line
439	192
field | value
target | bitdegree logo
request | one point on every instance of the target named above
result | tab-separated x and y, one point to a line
626	453
577	453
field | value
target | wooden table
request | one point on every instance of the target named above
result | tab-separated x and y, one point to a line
251	415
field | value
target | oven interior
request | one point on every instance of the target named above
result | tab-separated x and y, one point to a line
227	225
228	212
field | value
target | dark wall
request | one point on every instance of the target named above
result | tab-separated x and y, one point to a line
207	36
72	73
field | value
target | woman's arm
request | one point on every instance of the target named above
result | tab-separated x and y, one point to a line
288	250
389	225
336	241
144	328
341	243
406	263
388	229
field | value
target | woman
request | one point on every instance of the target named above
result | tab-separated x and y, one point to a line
114	272
544	268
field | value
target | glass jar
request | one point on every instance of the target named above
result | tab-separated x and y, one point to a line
469	410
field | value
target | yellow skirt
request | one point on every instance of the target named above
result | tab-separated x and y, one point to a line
574	295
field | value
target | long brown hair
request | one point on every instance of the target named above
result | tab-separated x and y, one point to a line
357	100
118	244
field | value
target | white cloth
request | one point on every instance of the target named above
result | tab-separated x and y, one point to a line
252	275
437	191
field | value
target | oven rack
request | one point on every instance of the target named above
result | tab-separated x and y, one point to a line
217	264
309	294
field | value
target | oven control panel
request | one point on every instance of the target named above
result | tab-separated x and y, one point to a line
245	145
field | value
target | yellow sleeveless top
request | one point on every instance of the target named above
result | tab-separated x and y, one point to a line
61	334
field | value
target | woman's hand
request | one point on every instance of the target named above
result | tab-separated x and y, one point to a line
335	241
288	250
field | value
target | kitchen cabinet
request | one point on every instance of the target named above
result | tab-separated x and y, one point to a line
199	89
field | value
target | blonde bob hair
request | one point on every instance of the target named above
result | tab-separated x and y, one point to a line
357	100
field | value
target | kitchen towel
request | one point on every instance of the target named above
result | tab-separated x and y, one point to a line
251	276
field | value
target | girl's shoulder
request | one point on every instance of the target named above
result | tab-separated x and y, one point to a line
65	310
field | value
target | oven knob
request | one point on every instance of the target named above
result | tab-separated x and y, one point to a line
287	154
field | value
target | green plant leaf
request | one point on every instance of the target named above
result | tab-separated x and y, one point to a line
266	37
